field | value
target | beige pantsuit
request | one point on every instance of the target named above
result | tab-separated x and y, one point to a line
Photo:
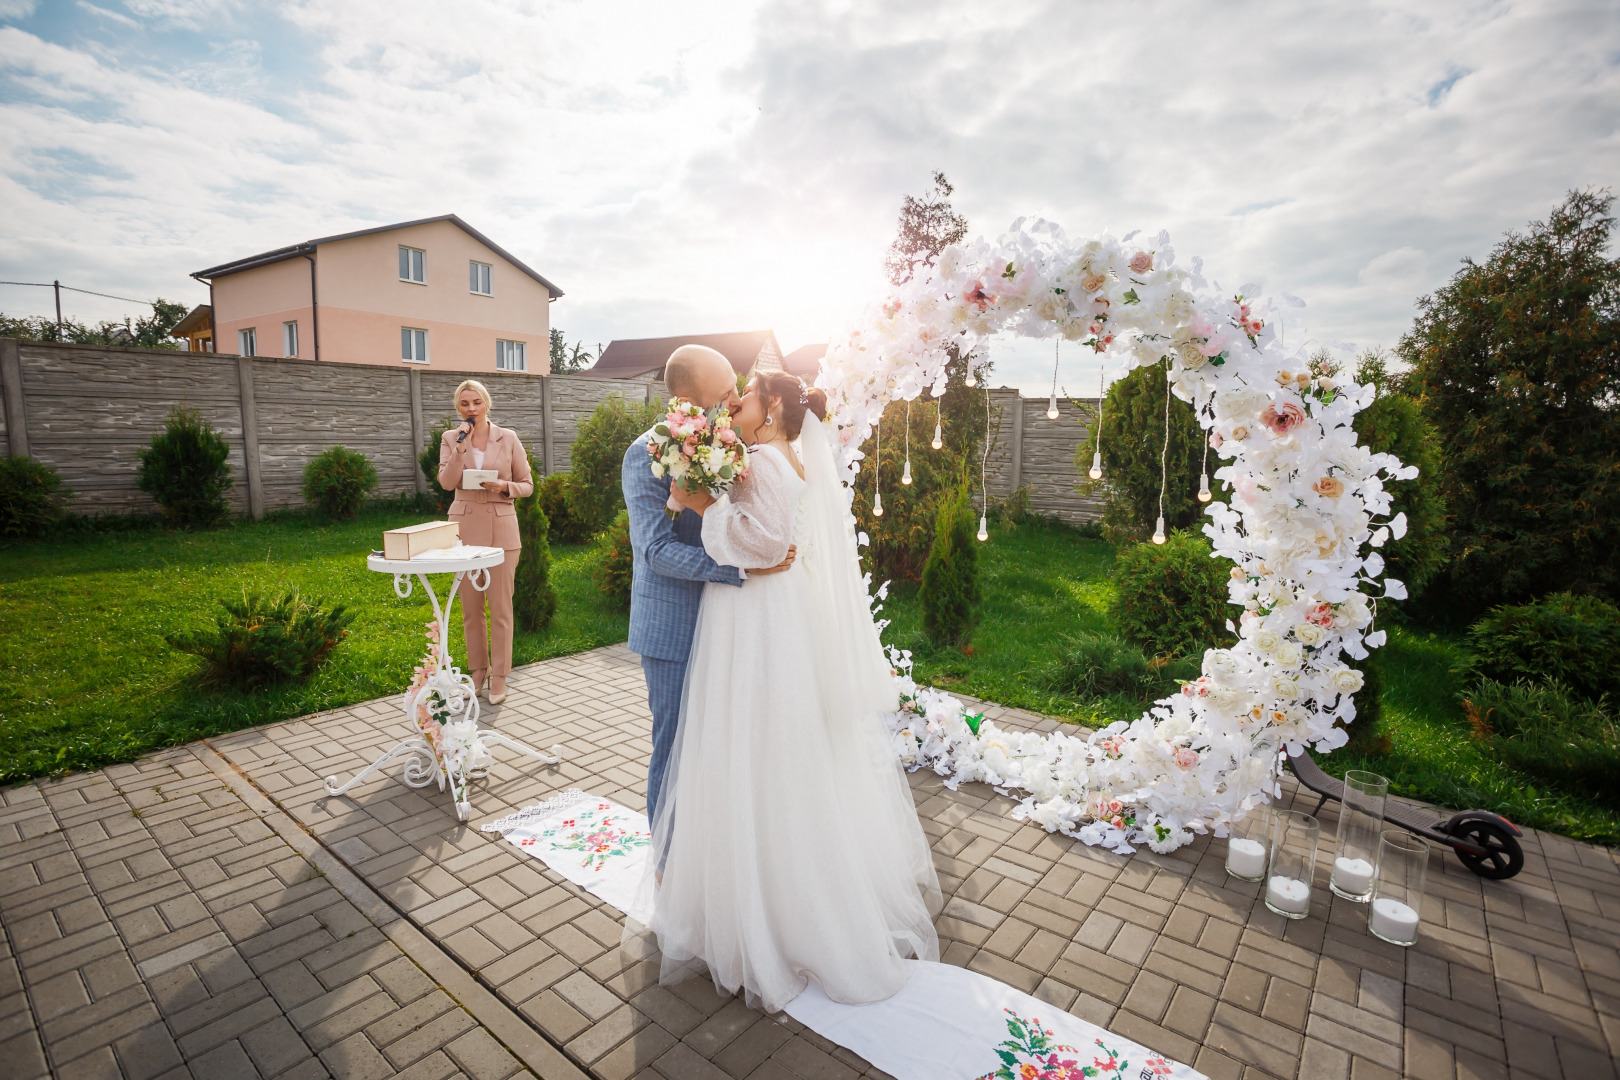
488	519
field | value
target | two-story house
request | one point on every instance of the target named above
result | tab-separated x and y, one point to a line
435	291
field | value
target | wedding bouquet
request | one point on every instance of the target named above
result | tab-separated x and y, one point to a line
697	449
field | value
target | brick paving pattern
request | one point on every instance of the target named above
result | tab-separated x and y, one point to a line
212	908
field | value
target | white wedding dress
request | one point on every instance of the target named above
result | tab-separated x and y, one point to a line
788	838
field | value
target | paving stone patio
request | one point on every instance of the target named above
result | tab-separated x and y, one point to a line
209	911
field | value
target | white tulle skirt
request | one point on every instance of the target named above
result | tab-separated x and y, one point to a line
788	837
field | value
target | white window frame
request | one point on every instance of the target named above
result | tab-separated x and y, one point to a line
480	273
412	261
511	355
289	338
247	341
408	352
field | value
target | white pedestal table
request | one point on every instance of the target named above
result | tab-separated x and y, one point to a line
447	696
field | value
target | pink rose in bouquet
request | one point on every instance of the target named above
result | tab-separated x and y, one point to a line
698	450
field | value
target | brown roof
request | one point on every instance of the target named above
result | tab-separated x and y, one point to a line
805	361
201	317
630	358
294	251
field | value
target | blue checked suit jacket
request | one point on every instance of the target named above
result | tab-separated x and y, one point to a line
671	566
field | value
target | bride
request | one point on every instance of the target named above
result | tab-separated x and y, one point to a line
787	846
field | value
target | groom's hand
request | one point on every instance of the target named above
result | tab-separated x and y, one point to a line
793	553
699	500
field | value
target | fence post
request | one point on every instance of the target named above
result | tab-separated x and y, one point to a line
418	429
1018	440
250	437
16	415
548	464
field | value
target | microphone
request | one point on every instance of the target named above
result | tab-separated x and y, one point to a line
464	431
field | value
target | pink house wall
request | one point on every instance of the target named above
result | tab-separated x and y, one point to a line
364	304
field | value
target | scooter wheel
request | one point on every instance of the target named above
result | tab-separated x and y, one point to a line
1503	856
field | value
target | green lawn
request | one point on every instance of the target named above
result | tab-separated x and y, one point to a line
90	680
1044	581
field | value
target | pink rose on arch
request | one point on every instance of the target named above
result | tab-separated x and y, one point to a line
1141	262
1186	757
1321	615
1284	418
976	295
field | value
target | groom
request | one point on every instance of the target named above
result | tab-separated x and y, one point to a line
671	566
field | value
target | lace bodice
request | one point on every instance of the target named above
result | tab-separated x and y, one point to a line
752	525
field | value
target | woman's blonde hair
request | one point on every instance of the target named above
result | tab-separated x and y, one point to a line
472	384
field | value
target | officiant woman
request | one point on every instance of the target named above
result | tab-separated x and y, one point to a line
488	518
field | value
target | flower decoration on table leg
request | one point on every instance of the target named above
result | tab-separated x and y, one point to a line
1308	509
443	704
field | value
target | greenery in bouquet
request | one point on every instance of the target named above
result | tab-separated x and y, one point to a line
697	449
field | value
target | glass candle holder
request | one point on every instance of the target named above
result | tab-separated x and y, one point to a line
1397	895
1294	839
1361	820
1248	847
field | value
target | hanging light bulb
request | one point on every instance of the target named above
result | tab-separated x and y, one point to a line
1203	488
984	528
1096	466
877	505
1158	531
1051	407
939	439
971	380
905	474
1051	404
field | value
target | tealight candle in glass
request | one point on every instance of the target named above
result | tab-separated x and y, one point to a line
1294	839
1397	895
1248	848
1361	819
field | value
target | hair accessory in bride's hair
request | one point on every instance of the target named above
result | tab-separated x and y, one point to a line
804	394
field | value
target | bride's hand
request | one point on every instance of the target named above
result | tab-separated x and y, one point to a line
793	553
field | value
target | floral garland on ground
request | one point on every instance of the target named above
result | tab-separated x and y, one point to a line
1307	506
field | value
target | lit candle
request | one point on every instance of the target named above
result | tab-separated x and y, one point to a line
1394	921
1353	876
1246	859
1288	894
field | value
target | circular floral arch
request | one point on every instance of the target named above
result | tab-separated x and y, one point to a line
1307	506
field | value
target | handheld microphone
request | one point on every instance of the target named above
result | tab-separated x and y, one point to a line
466	431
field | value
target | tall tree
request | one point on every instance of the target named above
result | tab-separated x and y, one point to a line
1517	362
928	225
565	358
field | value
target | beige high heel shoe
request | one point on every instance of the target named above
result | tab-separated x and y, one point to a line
495	698
480	679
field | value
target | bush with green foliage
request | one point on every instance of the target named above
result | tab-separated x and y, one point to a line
185	470
1367	735
1171	598
1133	421
901	537
148	332
553	493
428	461
596	460
1517	363
950	590
337	482
615	570
534	600
258	640
32	497
1573	639
1551	733
1099	665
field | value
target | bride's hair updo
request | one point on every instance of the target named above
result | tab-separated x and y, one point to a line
797	399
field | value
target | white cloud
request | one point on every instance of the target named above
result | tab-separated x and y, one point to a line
686	168
17	9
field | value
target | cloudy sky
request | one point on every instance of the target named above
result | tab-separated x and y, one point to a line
697	167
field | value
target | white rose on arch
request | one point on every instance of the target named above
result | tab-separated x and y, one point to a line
1301	552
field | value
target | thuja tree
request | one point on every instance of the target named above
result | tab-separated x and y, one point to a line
1133	423
950	579
1517	363
1395	423
534	600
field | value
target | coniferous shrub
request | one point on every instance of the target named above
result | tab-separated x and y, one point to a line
1367	734
1549	732
32	497
1171	599
185	470
1133	421
950	579
337	481
1572	639
1099	665
258	640
596	460
553	493
428	461
534	600
615	570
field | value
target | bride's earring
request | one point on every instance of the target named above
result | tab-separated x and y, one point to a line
769	420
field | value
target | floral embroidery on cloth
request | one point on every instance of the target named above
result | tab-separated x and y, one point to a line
1032	1053
587	839
600	832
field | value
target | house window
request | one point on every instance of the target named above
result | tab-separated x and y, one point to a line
478	278
247	341
289	338
412	264
511	356
413	345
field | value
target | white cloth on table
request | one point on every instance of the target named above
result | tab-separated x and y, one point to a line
787	834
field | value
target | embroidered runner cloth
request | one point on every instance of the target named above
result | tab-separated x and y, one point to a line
947	1022
593	842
